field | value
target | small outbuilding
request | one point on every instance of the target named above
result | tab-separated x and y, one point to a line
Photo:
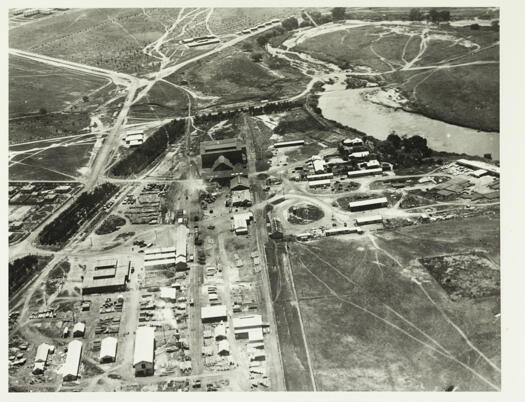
79	329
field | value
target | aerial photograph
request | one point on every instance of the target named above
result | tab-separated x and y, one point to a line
254	199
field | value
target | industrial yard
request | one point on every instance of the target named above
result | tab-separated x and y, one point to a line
225	235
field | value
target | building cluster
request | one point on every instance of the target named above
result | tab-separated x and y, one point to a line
260	26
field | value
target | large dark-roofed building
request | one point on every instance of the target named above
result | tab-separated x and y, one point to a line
232	149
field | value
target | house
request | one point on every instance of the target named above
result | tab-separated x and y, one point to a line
239	183
318	165
71	367
144	356
108	350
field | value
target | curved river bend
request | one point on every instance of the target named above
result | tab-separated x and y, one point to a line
347	106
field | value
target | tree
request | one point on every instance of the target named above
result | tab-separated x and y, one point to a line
42	110
85	98
433	15
474	27
415	14
290	23
444	16
495	25
338	13
257	56
247	47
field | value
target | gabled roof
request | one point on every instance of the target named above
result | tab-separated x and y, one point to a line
144	345
222	163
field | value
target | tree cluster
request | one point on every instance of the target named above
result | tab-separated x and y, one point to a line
68	222
20	270
290	23
437	16
403	151
150	150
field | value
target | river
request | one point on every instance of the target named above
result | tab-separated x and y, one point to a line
346	106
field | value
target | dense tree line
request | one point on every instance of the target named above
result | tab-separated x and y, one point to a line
68	222
434	15
150	150
21	269
251	110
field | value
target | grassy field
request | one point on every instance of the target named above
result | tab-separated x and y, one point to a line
108	38
369	326
293	351
57	163
234	77
463	96
346	47
34	85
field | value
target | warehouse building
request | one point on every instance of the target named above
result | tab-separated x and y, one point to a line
233	149
284	144
368	204
323	176
359	155
364	172
144	356
215	313
71	367
108	350
318	164
276	229
241	198
239	183
106	276
477	165
42	352
240	222
160	256
181	245
369	220
243	325
319	183
342	231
